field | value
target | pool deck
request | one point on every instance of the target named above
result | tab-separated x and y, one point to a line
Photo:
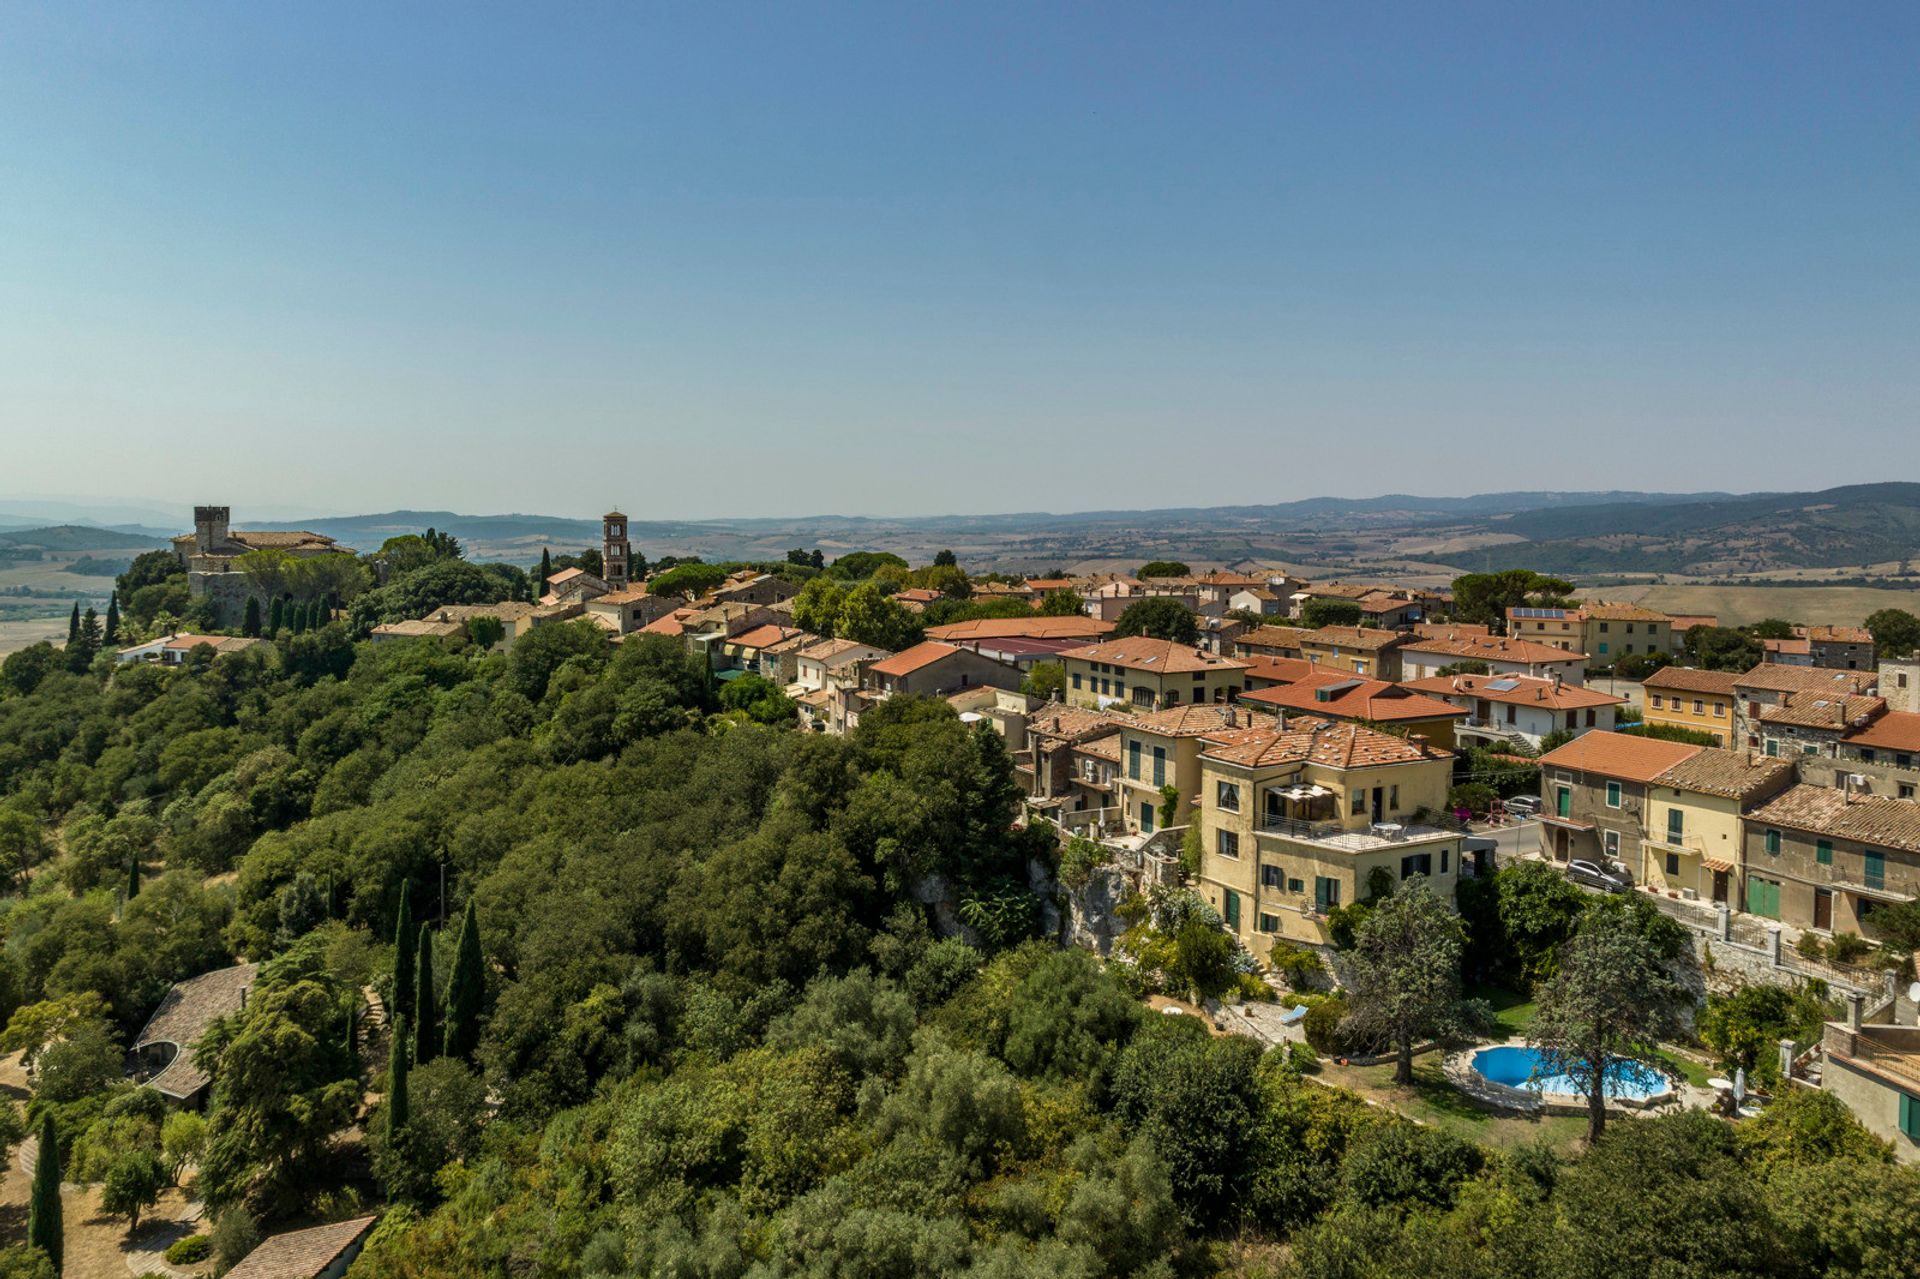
1461	1074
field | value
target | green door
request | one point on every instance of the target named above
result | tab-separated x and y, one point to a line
1763	897
1563	803
1233	910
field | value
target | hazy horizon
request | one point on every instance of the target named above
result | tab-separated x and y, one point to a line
717	262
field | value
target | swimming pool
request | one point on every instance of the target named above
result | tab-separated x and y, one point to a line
1519	1067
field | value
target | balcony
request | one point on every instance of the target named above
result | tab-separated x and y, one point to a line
1359	839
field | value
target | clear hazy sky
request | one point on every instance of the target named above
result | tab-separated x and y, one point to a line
785	258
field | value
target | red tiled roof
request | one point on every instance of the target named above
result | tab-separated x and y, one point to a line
1307	739
1893	731
907	661
1350	697
1039	626
301	1254
1503	648
1623	755
1142	653
1526	690
1281	670
1684	679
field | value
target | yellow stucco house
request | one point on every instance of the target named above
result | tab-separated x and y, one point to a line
1680	697
1693	834
1148	674
1297	812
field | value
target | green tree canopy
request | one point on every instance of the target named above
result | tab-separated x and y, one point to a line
1159	617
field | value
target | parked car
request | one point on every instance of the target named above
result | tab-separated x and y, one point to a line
1523	805
1613	878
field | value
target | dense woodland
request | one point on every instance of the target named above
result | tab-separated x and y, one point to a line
719	1031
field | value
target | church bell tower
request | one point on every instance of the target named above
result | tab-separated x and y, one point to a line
614	550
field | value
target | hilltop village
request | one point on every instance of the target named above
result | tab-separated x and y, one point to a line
479	847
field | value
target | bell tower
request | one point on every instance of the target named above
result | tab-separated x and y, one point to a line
614	550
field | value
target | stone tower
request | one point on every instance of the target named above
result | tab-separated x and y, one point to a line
614	550
209	528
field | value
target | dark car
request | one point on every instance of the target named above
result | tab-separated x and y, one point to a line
1612	878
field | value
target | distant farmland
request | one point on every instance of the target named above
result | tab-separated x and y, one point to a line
1740	605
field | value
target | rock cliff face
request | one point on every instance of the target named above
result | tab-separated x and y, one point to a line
1091	912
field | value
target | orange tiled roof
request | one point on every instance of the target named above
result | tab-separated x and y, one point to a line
1828	810
1500	648
1141	653
1893	731
1623	755
1729	774
1839	634
1272	637
1601	611
1310	740
1361	637
1194	720
1774	677
1350	697
1526	690
1281	670
1684	679
907	661
1823	710
1038	626
761	636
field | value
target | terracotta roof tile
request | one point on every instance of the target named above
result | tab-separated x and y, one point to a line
909	660
1623	755
1684	679
1502	648
1520	690
1823	710
1777	678
183	1016
301	1254
1308	739
1730	774
1828	810
1893	731
1139	652
1038	626
1351	697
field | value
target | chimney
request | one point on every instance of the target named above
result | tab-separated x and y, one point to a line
1854	999
1556	681
1418	741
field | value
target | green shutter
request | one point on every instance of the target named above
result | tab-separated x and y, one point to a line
1823	852
1233	910
1910	1116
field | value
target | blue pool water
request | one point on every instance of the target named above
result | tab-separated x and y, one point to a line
1518	1067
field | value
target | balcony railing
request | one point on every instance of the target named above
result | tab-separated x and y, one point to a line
1275	824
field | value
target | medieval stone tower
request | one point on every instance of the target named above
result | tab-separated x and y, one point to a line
209	528
614	550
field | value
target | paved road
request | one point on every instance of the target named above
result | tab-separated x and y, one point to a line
1513	841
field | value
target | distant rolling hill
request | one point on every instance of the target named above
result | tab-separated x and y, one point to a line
1851	526
76	537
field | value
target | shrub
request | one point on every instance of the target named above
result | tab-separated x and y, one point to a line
1475	797
1848	948
1322	1025
1296	965
1077	864
1809	946
235	1234
189	1251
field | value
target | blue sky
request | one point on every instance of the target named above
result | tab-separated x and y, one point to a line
798	258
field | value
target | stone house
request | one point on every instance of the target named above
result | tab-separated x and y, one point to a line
1148	674
1821	858
1594	793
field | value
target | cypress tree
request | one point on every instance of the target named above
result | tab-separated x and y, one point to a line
277	618
465	989
73	624
44	1228
403	942
353	1037
133	876
426	1020
398	1068
249	623
113	617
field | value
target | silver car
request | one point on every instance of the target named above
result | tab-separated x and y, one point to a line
1612	878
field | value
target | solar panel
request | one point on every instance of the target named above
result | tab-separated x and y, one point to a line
1503	686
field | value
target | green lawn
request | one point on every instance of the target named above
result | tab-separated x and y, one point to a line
1692	1071
1512	1011
1433	1100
